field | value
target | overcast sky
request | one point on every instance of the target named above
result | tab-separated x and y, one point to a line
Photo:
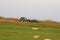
36	9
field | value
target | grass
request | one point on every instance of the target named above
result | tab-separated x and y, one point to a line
19	32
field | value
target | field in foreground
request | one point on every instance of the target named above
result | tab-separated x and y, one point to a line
17	32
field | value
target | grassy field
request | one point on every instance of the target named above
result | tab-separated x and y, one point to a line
19	32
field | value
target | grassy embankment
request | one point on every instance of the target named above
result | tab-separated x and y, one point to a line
23	31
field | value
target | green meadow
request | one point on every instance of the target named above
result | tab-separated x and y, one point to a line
23	31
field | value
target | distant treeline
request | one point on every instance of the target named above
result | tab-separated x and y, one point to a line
24	19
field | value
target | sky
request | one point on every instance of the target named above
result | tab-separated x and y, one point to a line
33	9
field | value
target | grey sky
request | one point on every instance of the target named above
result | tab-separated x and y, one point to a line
37	9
